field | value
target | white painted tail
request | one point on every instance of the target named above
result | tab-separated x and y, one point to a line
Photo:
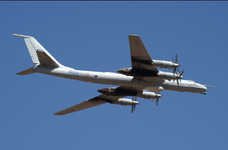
39	55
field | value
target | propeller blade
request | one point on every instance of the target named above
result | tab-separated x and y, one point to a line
133	108
157	98
157	101
133	105
176	59
178	72
181	73
174	70
177	82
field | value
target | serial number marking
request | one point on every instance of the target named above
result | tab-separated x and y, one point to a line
74	72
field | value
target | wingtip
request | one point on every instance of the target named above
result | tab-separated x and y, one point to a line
57	114
22	36
133	35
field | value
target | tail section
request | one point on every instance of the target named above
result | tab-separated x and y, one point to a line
39	55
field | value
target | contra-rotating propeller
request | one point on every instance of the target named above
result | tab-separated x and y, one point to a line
178	76
176	65
157	98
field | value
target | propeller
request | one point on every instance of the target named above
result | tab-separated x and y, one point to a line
157	98
176	65
178	76
133	105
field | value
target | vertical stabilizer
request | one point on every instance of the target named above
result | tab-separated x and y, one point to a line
38	53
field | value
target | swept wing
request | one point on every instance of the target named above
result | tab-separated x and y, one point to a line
101	99
140	58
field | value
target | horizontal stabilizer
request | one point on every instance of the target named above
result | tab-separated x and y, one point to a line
25	72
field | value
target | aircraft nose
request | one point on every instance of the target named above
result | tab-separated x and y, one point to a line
205	88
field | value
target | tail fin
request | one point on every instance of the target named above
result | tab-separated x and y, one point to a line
38	53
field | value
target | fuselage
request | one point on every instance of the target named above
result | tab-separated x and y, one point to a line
111	78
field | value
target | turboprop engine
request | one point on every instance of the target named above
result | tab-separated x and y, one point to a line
125	102
149	95
169	76
165	64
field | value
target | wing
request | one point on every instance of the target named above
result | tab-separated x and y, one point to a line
101	99
139	56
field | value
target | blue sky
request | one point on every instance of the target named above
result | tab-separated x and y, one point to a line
94	36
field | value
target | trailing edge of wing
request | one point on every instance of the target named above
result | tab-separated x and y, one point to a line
81	106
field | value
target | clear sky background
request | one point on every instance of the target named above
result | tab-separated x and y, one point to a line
94	36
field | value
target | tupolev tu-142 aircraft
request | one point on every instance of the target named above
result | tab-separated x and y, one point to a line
136	81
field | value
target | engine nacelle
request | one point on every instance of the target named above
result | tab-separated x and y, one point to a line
148	95
165	64
155	88
168	75
125	102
